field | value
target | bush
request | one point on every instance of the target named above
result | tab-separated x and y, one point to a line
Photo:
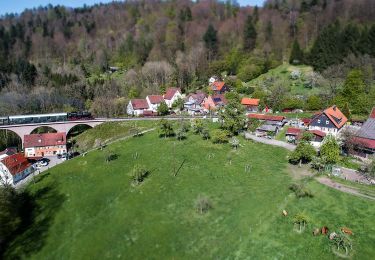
139	174
219	136
301	191
202	204
110	157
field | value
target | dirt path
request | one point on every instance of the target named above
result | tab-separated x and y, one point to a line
341	187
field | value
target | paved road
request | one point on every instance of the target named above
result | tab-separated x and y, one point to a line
53	162
274	142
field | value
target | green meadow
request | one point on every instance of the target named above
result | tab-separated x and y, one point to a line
87	208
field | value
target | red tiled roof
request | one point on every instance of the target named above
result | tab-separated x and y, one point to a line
155	99
218	85
139	104
368	143
250	101
372	115
318	133
293	131
266	117
170	93
41	140
306	121
336	116
16	163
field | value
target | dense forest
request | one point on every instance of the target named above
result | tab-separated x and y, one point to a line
98	57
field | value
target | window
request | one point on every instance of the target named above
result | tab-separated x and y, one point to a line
318	121
327	122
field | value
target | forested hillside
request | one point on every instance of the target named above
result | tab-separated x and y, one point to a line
60	59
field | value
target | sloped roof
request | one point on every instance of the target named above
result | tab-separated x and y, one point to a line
367	130
198	97
372	115
217	85
139	103
9	151
266	117
16	163
155	99
170	93
293	131
47	139
318	133
368	143
250	101
219	99
336	116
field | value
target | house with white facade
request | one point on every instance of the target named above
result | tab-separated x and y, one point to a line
14	168
172	95
329	121
136	107
154	102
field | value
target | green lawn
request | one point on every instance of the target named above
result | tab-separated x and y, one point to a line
88	209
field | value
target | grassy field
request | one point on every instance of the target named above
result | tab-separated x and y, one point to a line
281	74
88	209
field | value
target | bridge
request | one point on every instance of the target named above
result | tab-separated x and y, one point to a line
65	126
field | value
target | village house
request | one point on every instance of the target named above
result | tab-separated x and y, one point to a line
154	102
293	134
329	121
251	104
172	95
7	152
219	87
213	102
271	119
194	103
14	168
136	107
48	144
364	139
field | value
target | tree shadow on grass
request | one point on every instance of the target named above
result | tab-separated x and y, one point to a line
37	213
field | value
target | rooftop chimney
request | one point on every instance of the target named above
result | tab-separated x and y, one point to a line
334	107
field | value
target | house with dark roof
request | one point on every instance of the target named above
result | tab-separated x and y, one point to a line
251	104
364	139
172	95
154	102
329	121
136	107
48	144
219	87
194	102
7	152
14	168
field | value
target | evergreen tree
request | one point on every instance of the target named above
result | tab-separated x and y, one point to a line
346	110
371	40
350	39
211	41
250	34
256	14
327	49
296	56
